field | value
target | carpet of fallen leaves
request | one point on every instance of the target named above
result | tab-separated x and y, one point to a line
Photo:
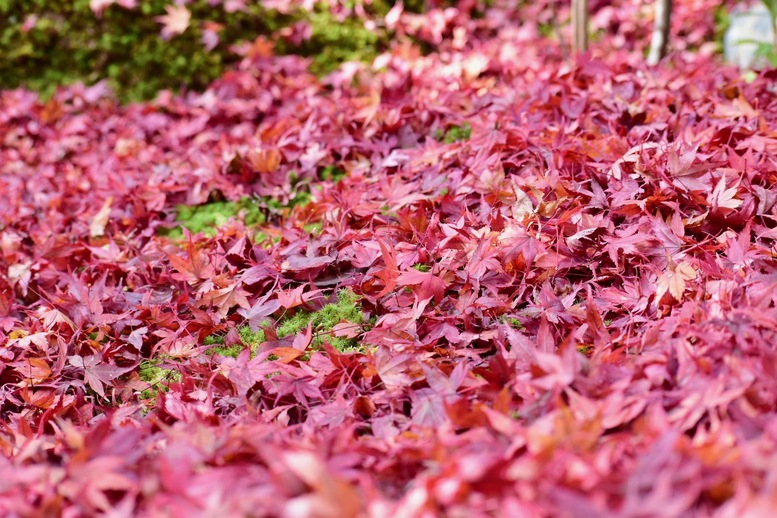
569	307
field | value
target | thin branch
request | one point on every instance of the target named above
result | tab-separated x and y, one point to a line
660	39
579	25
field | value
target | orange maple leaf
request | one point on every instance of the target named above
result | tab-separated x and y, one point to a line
264	160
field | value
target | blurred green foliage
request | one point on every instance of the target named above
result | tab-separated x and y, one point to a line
345	309
454	134
69	43
333	42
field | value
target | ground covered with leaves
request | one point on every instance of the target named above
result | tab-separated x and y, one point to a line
488	279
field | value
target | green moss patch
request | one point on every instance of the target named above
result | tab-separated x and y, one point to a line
345	310
156	376
332	173
247	337
454	134
333	43
232	351
299	198
512	322
69	43
207	218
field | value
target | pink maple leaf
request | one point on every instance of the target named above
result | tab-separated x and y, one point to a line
98	6
175	22
263	308
674	279
97	372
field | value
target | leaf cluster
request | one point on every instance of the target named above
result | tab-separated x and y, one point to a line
575	305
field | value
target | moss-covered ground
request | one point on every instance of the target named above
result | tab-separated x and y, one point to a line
208	217
454	134
156	375
345	309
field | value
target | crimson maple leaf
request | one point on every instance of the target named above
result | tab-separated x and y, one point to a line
390	273
426	285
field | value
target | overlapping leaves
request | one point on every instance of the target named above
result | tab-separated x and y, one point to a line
577	299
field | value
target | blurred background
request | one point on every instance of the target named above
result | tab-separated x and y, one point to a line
143	46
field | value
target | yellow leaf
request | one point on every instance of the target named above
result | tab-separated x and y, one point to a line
18	333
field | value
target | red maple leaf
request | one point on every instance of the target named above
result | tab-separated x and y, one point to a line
390	272
193	267
225	299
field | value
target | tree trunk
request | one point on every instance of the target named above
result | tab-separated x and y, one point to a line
579	25
658	44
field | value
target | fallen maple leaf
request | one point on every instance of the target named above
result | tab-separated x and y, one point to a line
175	22
673	280
257	313
264	161
522	206
96	371
393	16
210	35
390	273
41	340
193	267
33	370
225	299
426	284
291	298
100	220
287	354
722	198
